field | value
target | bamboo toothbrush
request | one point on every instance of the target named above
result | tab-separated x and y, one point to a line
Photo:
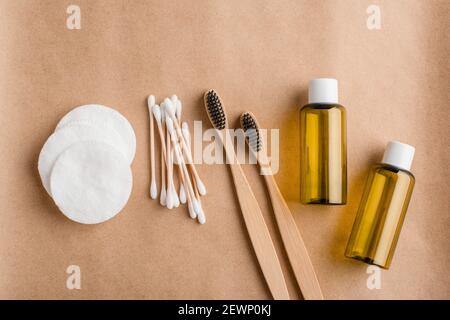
256	226
153	188
293	242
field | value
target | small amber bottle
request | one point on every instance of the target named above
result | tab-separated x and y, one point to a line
383	207
323	151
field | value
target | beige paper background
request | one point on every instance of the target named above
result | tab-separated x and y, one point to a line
259	55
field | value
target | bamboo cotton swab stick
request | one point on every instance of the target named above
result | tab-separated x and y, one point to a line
178	105
168	120
172	196
153	187
161	128
196	205
171	114
187	138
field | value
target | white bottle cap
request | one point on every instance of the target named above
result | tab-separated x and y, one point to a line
323	90
399	155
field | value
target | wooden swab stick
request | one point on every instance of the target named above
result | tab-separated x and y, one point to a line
170	113
153	187
187	138
161	128
178	105
197	208
172	199
182	190
191	210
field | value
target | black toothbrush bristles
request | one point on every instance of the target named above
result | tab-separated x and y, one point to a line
251	130
215	110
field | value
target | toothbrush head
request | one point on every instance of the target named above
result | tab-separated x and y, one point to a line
215	110
251	129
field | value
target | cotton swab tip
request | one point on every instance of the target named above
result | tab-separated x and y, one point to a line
196	206
200	186
151	100
157	112
169	123
153	190
176	200
169	107
162	197
201	217
182	194
178	107
169	199
199	211
191	210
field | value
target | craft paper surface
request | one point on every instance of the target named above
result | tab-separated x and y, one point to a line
259	56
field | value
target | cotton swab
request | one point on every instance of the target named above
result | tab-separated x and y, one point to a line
161	128
196	205
178	105
191	210
172	200
170	112
202	214
173	142
187	138
182	191
169	195
153	188
186	134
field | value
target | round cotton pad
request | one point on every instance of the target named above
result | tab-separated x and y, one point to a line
91	182
103	117
64	138
119	142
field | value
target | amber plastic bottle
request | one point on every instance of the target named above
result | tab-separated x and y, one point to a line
323	150
383	207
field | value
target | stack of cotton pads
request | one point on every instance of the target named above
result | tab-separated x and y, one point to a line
85	164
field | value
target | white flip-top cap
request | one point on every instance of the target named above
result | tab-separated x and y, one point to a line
399	155
323	90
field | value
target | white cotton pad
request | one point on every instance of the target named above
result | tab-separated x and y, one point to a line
62	139
91	182
103	117
119	142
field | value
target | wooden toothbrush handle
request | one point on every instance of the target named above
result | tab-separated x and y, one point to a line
293	243
259	235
